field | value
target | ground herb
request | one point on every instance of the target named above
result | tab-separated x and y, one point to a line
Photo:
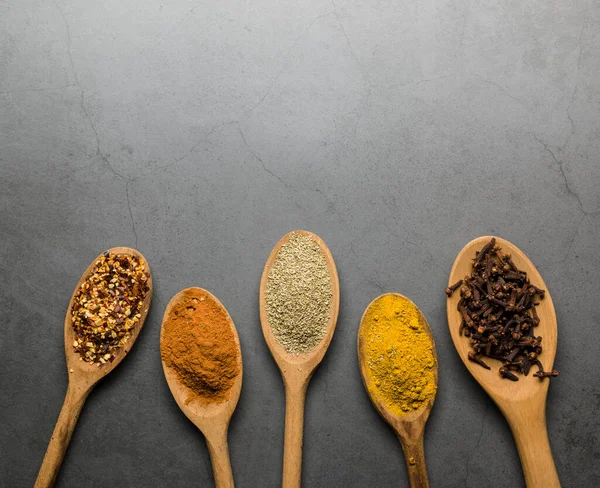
108	305
498	312
298	294
399	354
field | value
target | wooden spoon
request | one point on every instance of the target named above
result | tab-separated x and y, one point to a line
211	418
409	427
297	370
522	402
83	376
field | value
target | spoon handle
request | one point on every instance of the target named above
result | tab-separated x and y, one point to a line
219	456
295	393
415	462
531	437
69	414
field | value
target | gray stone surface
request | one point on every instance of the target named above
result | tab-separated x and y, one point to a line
201	132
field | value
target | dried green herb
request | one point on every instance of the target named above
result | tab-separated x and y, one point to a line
298	295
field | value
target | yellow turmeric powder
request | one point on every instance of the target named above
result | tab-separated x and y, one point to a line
399	354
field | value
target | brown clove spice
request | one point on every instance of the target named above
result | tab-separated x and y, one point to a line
498	313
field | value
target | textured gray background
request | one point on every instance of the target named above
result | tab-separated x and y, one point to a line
201	132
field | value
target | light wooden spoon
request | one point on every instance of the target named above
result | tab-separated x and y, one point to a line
211	418
410	427
83	376
297	370
522	402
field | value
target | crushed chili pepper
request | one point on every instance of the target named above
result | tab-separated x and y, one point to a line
108	305
498	312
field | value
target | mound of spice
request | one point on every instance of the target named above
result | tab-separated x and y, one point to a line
199	345
298	294
497	305
108	305
399	354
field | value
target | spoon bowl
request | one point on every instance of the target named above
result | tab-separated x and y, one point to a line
409	427
522	402
297	370
83	376
212	418
88	372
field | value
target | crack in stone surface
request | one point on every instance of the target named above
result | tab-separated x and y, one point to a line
264	167
337	16
575	235
85	475
562	149
287	57
78	83
463	29
131	212
501	88
25	90
368	279
99	152
560	164
161	37
426	80
366	98
196	144
576	87
127	197
82	92
331	204
569	246
474	451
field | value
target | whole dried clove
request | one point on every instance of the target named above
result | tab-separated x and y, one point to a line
505	373
481	254
498	310
546	374
473	357
453	287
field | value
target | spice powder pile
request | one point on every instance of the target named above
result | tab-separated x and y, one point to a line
107	306
399	354
198	343
298	294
